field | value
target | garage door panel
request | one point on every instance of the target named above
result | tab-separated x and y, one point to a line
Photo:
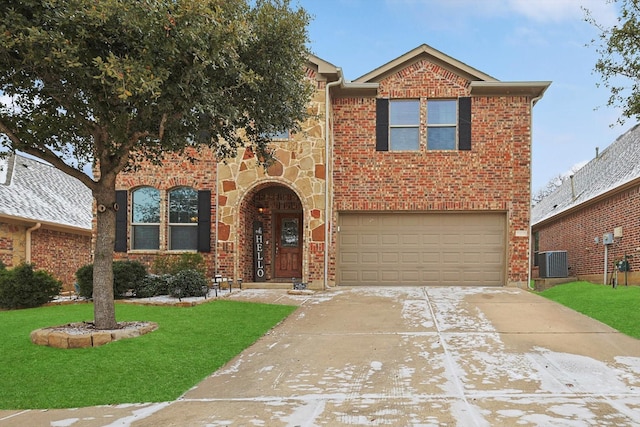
390	257
421	249
370	257
347	258
390	239
391	276
370	277
369	240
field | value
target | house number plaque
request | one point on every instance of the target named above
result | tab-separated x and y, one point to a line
258	252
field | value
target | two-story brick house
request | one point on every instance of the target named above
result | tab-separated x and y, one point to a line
422	168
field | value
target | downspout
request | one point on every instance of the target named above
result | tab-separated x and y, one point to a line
327	176
27	250
215	243
533	102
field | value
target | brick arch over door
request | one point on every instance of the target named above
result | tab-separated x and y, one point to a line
270	203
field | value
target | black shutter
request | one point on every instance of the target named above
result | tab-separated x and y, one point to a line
204	221
464	123
382	124
121	221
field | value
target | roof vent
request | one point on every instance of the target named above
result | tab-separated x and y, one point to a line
573	190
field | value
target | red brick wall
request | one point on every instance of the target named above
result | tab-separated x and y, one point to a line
60	254
175	172
575	233
493	176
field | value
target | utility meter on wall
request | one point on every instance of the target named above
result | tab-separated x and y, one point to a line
607	238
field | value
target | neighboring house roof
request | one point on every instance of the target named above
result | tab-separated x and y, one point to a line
614	168
35	191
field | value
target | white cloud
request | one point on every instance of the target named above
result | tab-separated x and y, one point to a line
541	11
565	10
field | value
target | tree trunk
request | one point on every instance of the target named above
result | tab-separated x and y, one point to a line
104	311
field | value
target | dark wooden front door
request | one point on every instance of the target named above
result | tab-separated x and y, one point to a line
288	245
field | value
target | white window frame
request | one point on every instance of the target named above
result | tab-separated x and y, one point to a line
453	125
416	125
172	225
133	224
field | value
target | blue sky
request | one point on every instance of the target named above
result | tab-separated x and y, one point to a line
511	40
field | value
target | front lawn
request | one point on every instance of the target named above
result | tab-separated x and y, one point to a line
189	344
617	307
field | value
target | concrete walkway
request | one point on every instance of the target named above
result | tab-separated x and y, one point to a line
405	357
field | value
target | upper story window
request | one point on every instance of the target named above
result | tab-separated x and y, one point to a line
183	219
442	118
404	125
399	124
145	218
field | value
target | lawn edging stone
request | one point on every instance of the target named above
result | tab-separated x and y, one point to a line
84	334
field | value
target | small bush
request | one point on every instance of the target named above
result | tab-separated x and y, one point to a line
2	266
126	275
173	264
22	287
189	283
153	285
84	279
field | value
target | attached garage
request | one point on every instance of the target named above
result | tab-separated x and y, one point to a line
421	249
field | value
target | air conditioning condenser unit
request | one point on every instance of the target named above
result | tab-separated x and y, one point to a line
553	264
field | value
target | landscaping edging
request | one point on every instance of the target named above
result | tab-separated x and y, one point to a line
83	334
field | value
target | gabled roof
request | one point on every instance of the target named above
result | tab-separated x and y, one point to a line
432	55
34	191
615	168
481	84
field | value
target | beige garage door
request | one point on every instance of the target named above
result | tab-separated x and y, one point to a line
421	249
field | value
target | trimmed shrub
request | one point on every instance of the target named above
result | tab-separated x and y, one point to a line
126	275
173	264
84	279
153	285
22	287
189	283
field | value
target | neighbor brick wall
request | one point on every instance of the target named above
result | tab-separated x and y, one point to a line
576	231
12	243
493	176
60	253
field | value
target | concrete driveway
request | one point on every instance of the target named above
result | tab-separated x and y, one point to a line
405	357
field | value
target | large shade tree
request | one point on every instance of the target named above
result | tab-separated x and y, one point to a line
619	63
111	83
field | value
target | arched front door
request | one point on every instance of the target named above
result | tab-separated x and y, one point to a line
275	212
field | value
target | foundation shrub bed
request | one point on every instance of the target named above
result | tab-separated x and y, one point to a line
24	287
127	275
173	264
188	283
153	285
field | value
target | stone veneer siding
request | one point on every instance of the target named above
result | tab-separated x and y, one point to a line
299	167
575	233
493	176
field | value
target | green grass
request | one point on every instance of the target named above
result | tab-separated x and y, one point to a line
618	308
189	344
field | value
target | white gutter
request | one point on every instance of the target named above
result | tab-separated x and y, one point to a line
327	214
27	255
